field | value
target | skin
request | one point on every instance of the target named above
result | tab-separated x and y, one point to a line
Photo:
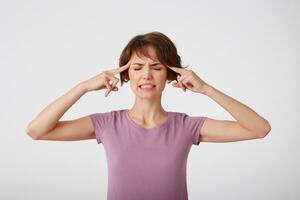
148	111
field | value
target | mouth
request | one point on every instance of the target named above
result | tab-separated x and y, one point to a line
147	86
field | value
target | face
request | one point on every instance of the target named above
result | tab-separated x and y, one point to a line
146	70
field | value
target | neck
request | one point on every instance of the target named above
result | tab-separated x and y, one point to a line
147	109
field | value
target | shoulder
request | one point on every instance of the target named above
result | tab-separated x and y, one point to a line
177	118
110	113
107	115
179	115
187	119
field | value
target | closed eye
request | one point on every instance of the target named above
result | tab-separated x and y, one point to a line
158	69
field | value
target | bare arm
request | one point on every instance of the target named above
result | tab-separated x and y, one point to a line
48	118
245	116
46	126
248	124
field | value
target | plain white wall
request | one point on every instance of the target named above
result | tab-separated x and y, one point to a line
247	49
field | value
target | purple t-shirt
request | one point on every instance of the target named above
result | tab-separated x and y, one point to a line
146	163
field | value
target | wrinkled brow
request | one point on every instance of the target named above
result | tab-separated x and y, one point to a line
144	64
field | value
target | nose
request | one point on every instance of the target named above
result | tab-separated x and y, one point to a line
147	73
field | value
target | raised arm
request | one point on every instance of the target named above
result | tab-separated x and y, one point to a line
249	124
47	120
46	126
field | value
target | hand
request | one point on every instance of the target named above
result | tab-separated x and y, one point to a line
189	80
102	80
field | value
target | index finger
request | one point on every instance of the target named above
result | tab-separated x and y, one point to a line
120	69
176	69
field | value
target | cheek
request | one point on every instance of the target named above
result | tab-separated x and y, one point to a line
163	76
132	77
162	79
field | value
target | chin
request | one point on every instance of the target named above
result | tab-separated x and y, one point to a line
148	96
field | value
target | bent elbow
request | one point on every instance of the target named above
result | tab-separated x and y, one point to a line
266	131
30	133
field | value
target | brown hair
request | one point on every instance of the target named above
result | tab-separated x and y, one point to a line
165	49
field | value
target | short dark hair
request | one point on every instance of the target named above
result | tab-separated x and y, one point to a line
165	50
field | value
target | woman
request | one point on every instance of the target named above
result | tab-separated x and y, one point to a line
146	146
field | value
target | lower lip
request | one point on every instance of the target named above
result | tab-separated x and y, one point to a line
147	89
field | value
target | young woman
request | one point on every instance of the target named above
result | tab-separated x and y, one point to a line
146	146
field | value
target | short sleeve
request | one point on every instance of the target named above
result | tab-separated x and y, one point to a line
193	125
100	122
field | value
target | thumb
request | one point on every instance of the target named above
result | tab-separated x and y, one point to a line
175	84
115	89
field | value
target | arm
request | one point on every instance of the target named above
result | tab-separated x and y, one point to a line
46	125
48	118
249	124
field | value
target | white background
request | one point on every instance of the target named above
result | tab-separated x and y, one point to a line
247	49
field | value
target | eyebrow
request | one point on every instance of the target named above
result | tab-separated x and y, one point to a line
143	64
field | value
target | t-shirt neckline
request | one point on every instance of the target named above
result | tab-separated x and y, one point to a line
148	129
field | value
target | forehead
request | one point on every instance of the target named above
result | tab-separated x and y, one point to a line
145	53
